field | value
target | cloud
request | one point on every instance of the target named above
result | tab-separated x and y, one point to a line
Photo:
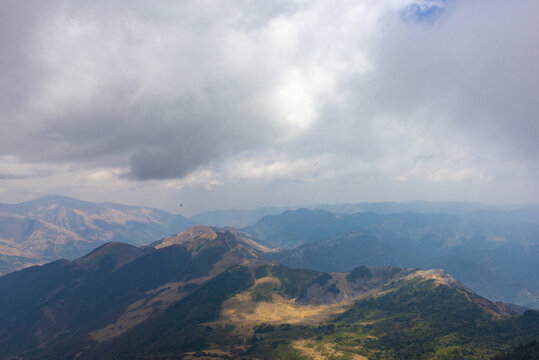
163	93
203	93
11	168
475	73
128	89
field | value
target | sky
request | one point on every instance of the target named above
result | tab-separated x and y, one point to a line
240	104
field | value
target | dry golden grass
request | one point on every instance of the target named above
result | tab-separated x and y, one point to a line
324	351
42	235
211	355
157	300
254	244
437	275
244	313
116	216
139	311
191	238
496	310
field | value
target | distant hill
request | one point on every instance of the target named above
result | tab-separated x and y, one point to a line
54	227
293	228
206	293
235	218
476	211
498	260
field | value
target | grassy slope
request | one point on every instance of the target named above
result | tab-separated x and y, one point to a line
414	320
528	351
417	320
84	301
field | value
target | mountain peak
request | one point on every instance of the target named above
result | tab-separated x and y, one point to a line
111	256
498	310
439	277
201	237
192	237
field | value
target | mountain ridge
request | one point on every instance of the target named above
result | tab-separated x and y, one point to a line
206	291
496	260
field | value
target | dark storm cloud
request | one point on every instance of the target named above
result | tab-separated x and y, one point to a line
154	90
19	21
160	141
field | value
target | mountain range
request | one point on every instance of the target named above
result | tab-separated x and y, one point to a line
55	227
491	250
234	217
496	259
211	293
476	211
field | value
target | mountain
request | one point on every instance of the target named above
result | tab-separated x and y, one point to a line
235	218
477	211
293	228
505	214
54	227
205	293
497	260
110	290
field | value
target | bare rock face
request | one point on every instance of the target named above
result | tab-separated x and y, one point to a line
191	238
200	237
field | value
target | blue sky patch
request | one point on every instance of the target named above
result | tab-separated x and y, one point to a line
425	12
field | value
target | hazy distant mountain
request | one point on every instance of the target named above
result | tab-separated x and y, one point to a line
235	218
296	227
507	214
205	294
54	227
476	211
498	260
391	207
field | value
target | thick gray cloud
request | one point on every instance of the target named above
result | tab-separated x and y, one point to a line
220	93
155	91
